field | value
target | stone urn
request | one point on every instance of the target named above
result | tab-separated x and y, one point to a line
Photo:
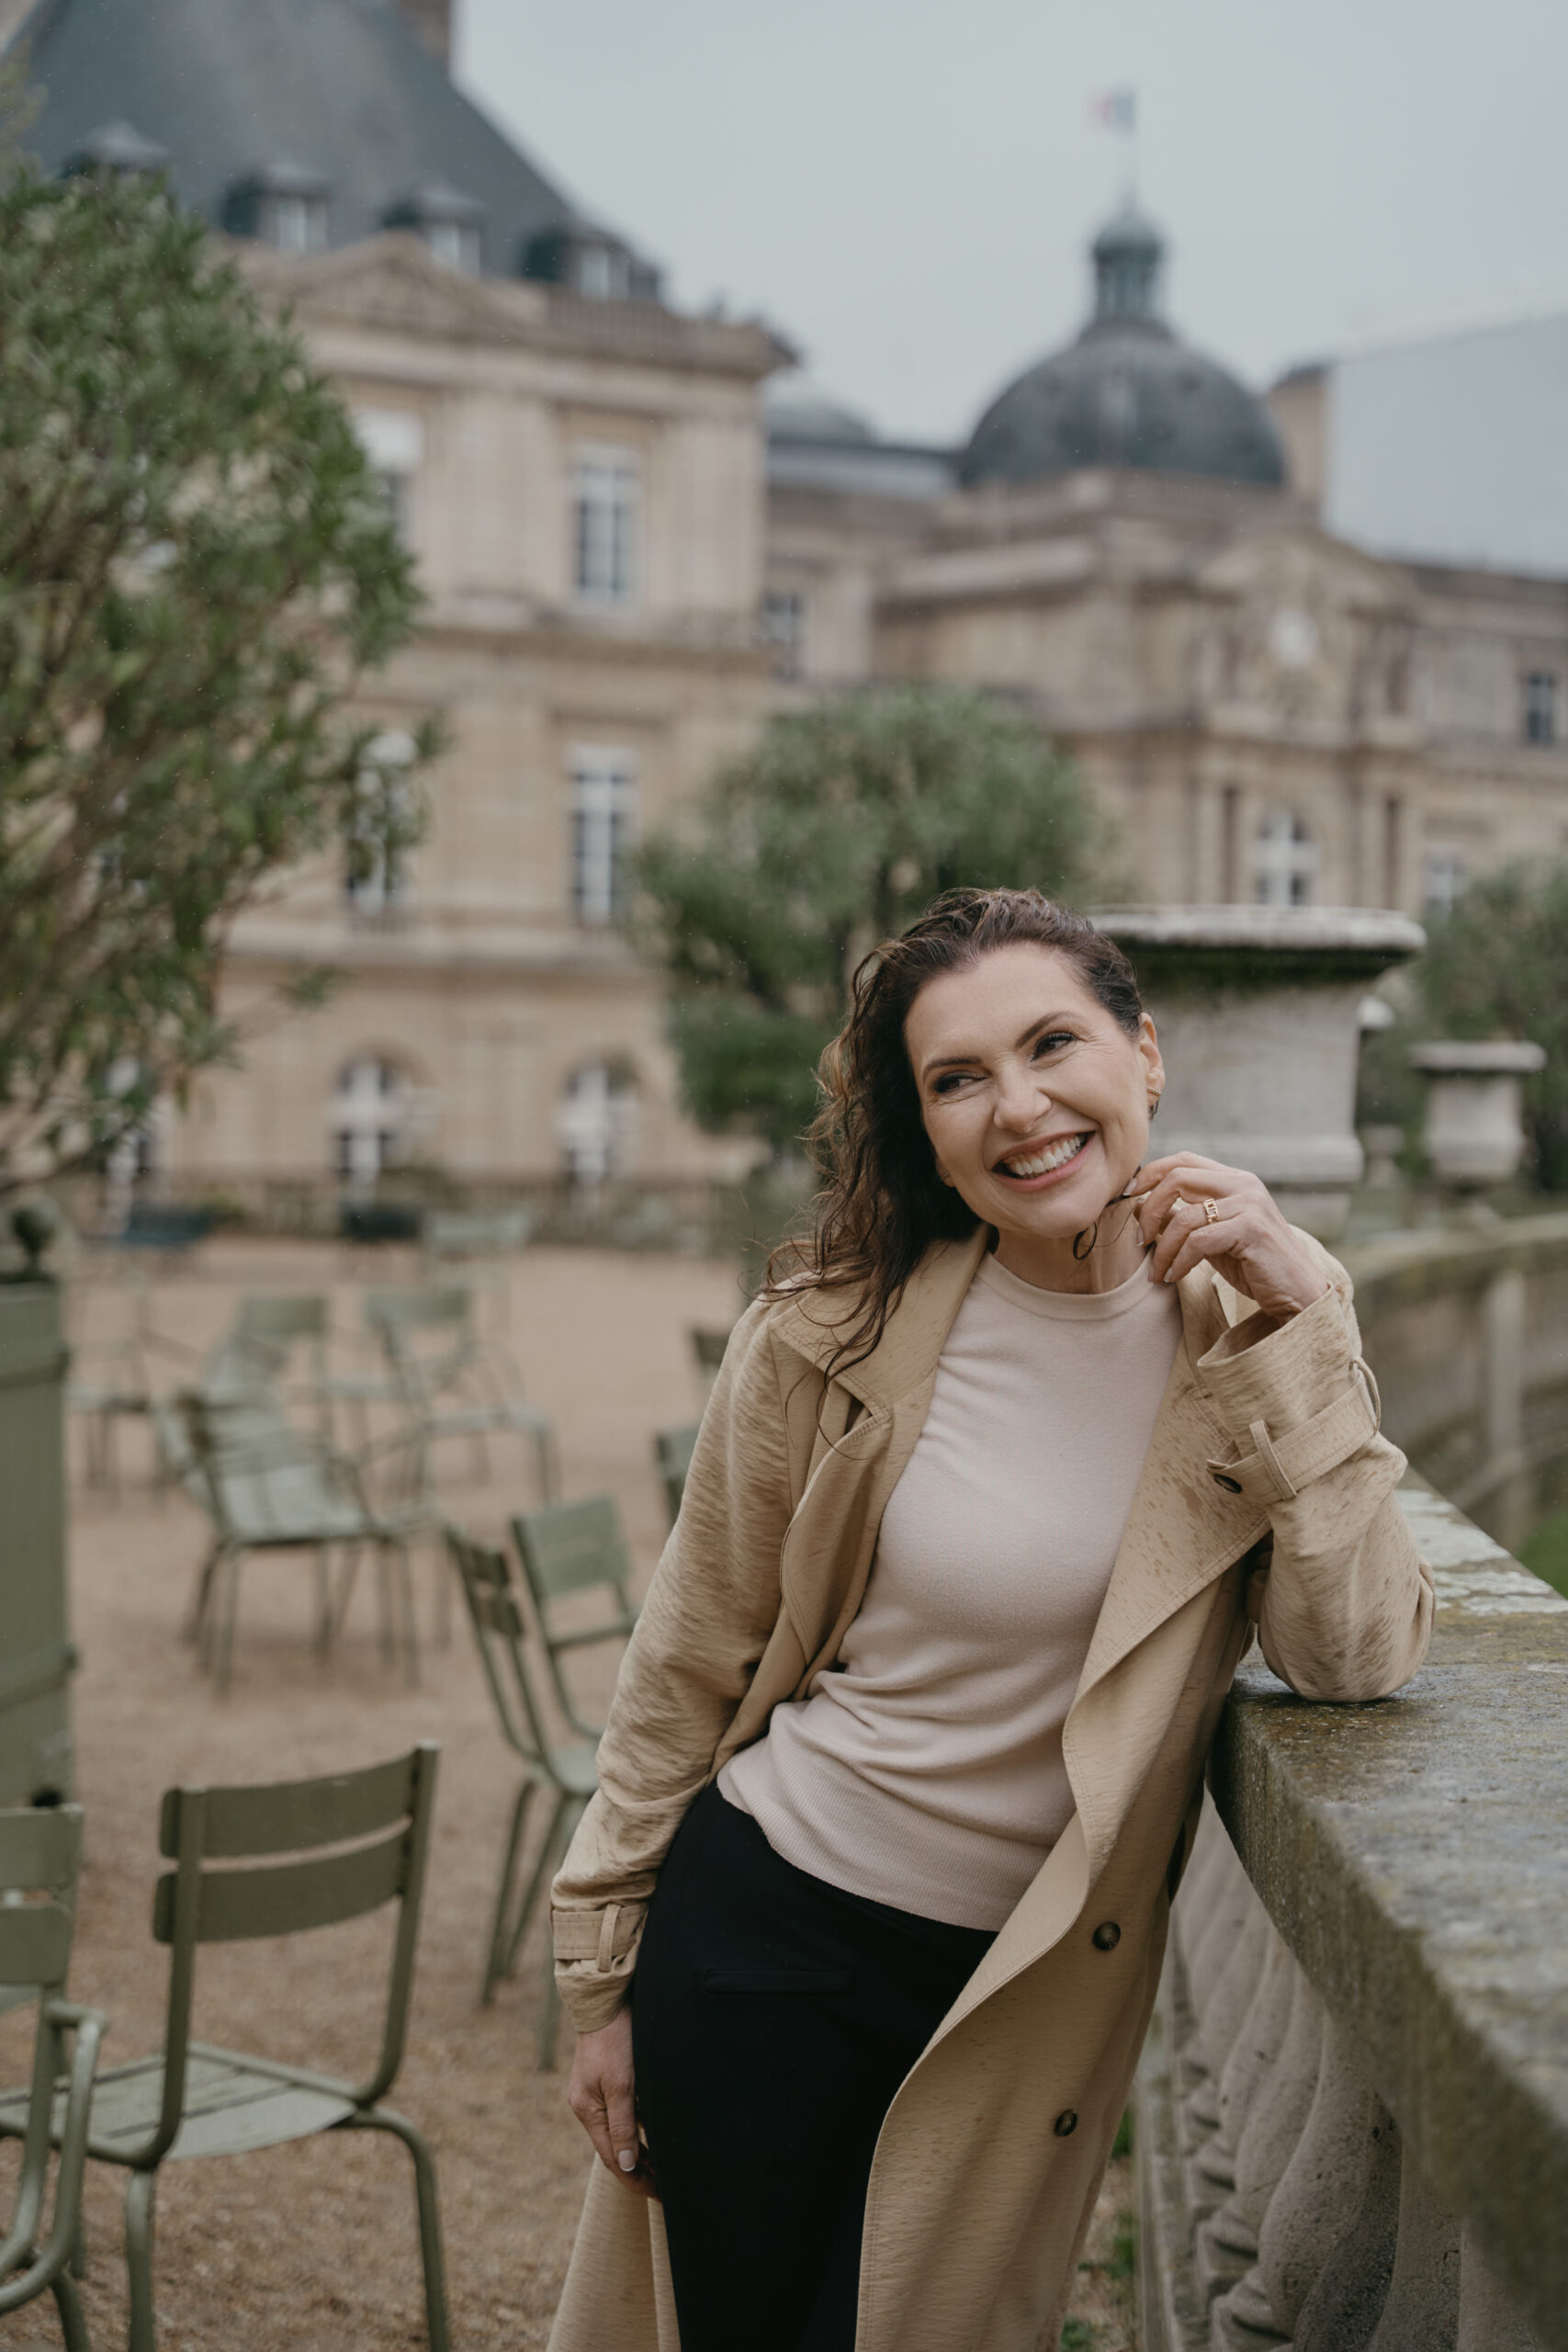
1473	1134
1259	1011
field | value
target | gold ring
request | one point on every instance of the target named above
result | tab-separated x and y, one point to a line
1211	1210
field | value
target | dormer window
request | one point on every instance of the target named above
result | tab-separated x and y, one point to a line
450	224
283	204
592	262
115	150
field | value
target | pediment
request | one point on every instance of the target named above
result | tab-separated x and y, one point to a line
1292	563
392	282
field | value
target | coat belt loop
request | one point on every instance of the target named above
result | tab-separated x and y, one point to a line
609	1920
1264	1443
1359	1364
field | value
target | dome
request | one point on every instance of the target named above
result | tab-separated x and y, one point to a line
799	410
1127	393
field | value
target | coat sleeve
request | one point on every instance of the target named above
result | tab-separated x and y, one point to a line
1347	1601
713	1603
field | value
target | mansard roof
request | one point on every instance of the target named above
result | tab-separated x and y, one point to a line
345	88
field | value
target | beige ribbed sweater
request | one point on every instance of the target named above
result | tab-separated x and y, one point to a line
926	1771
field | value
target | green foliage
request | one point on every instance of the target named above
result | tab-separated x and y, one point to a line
845	823
1496	966
196	569
1545	1551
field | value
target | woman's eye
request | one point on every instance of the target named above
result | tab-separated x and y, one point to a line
950	1082
1053	1038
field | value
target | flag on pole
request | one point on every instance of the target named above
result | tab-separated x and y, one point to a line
1115	109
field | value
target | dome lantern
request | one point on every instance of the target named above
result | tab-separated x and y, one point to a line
1129	255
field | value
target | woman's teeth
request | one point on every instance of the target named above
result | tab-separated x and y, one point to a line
1041	1163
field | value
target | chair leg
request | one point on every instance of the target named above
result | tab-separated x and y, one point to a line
68	2301
195	1615
385	2119
230	1604
444	1577
138	2196
345	1587
385	1625
323	1599
541	1878
404	1588
495	1960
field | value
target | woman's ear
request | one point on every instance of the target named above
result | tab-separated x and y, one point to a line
1149	1055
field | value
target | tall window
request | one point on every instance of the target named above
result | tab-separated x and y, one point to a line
604	818
782	626
597	1122
393	441
1445	877
372	1112
376	843
1538	718
1284	862
605	503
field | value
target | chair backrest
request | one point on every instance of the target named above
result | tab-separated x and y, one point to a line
40	1858
262	1478
265	1331
569	1548
263	1317
672	1452
477	1233
376	1824
495	1609
411	1310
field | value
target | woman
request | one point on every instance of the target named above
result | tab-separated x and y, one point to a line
865	1924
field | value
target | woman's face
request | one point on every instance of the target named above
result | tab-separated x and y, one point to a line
1036	1100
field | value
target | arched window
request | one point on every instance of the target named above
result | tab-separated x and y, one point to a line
597	1122
372	1118
1284	862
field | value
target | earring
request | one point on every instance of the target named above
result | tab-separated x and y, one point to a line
1154	1105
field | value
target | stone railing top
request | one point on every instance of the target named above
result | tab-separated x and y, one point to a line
1478	1057
1419	1262
1413	1854
1263	946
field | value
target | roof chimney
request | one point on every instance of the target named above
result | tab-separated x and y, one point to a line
431	21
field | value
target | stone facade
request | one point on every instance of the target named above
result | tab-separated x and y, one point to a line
1268	712
582	484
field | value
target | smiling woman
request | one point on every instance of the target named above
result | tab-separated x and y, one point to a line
1001	1473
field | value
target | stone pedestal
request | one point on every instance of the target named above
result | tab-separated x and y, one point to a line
1258	1015
1475	1137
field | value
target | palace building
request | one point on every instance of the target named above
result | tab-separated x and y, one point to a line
634	545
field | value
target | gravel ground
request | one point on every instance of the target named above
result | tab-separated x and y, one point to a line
313	2246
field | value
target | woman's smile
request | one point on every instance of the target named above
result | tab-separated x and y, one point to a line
1030	1167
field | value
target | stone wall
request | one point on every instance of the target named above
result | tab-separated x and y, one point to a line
1353	2105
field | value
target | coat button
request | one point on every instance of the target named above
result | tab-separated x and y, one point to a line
1067	2123
1107	1936
1231	1485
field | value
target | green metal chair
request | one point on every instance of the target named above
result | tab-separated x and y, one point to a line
450	1382
563	1770
114	1380
567	1549
40	1852
673	1453
257	1352
192	2099
708	1344
267	1488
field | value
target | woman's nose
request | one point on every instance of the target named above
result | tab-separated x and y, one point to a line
1021	1099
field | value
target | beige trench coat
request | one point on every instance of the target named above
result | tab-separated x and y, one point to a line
1266	1501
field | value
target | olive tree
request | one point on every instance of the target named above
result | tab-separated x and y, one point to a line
835	830
197	571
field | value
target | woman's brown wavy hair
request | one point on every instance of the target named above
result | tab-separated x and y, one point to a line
882	1203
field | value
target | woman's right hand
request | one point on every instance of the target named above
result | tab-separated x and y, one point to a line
602	2097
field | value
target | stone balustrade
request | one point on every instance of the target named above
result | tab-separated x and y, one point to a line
1352	2120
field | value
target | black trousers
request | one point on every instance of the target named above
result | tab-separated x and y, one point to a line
773	2017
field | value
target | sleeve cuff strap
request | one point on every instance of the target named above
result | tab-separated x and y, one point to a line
603	1937
1276	1468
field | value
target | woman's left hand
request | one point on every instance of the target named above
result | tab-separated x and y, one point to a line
1245	1240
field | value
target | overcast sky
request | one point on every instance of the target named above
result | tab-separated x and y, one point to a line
906	189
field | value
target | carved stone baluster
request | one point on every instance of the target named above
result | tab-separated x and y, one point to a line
1227	2242
1234	1903
1421	2313
1319	2195
1342	2311
1210	2173
1242	2316
1489	2320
